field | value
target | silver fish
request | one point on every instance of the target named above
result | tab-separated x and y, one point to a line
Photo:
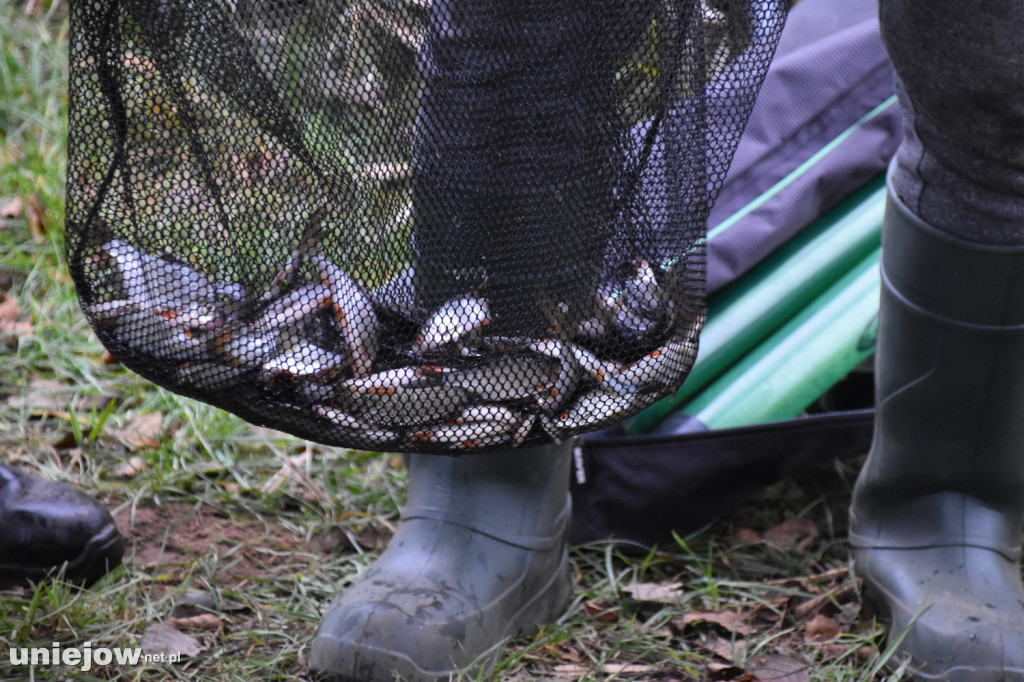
406	405
592	329
316	390
594	410
454	321
354	314
208	375
242	344
290	312
348	425
598	370
108	311
471	428
661	368
559	392
516	378
233	291
147	331
303	359
195	316
154	281
487	413
642	292
277	284
522	431
391	380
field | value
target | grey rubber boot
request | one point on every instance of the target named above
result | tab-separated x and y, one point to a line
937	511
479	556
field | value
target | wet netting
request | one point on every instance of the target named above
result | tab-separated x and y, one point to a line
418	225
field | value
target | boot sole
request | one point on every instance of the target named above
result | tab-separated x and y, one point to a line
100	555
556	592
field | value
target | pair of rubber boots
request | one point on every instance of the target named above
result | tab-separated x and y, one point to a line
936	519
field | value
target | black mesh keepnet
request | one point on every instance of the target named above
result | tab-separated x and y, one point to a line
419	225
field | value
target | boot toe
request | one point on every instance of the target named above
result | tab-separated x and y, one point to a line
45	526
379	627
959	610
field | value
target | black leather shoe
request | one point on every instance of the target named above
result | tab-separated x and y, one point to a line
46	526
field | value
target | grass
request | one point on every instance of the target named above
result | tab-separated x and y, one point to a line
199	495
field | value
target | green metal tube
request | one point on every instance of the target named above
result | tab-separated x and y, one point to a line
777	289
802	360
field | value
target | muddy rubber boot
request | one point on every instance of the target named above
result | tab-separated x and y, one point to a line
937	511
479	556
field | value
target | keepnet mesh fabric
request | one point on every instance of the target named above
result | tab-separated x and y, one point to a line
423	225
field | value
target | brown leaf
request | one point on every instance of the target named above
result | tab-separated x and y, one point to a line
746	536
601	612
10	311
141	431
200	622
339	539
196	603
133	467
826	601
163	640
11	329
733	621
821	628
774	668
726	648
792	533
655	593
35	217
12	208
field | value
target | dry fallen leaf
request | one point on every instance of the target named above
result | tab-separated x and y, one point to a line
600	611
11	328
133	467
196	603
202	621
141	431
339	539
774	668
35	217
163	640
733	621
792	533
297	470
821	628
66	442
10	311
724	647
655	593
746	536
12	208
